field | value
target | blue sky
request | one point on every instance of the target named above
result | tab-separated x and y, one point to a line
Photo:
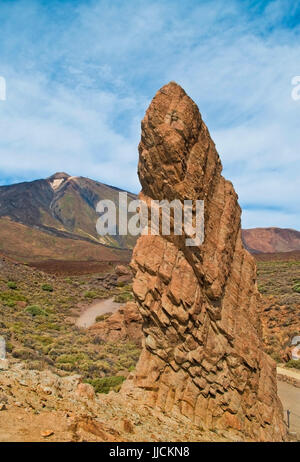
80	75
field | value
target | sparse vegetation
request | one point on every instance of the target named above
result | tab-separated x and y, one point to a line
35	323
102	317
278	282
296	288
295	363
47	287
36	310
90	294
124	295
10	298
107	384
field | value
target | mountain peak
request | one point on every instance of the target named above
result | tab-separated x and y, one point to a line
58	179
59	176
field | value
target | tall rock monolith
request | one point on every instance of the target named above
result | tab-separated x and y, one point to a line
203	355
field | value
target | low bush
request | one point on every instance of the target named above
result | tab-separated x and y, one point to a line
106	384
296	288
73	359
295	363
47	287
102	317
36	310
91	294
10	298
123	297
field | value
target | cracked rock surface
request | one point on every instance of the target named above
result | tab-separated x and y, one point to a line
203	355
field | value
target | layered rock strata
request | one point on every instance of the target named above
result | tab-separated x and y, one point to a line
203	355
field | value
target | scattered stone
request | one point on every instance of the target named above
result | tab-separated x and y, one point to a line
124	324
127	426
3	364
122	270
47	433
85	390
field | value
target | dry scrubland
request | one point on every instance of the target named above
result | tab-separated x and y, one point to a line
279	283
36	311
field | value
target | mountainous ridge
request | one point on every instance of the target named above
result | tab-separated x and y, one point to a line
63	207
60	203
271	240
60	206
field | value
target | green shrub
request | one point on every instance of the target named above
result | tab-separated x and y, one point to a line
296	288
295	363
106	384
91	294
276	356
9	347
12	285
102	317
73	359
123	297
10	298
24	353
36	310
47	287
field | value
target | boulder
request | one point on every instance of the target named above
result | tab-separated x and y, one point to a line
124	325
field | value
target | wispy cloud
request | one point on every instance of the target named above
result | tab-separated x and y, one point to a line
80	75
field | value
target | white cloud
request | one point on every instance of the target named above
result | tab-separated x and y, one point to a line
80	78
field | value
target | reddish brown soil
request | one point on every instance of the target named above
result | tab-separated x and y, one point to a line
23	243
76	268
279	256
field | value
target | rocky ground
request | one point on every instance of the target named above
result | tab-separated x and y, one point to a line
37	314
42	406
277	282
42	395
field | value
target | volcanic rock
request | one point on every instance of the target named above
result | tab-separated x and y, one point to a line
203	355
124	325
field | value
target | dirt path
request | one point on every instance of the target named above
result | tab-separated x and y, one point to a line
290	398
88	317
288	372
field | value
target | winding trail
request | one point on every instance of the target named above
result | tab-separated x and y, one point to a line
89	315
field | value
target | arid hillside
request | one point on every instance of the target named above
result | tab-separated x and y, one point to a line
55	218
271	240
29	244
278	282
37	319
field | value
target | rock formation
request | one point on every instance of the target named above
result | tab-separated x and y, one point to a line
123	325
203	355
